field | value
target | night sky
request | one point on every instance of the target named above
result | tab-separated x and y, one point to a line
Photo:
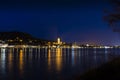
72	20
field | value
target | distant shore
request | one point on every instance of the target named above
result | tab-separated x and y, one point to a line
108	71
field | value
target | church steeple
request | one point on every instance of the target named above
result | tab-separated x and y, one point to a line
58	40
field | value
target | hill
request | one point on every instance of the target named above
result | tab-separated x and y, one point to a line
18	38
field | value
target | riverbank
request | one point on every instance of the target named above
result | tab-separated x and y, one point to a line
108	71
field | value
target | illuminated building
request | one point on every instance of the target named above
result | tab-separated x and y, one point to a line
59	41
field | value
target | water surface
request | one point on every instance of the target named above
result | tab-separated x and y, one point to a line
51	64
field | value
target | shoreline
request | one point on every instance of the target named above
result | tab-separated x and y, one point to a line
107	71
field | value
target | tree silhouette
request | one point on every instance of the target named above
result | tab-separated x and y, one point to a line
113	15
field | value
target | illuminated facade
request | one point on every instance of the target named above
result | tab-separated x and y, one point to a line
59	41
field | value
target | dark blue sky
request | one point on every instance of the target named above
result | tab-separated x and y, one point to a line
72	20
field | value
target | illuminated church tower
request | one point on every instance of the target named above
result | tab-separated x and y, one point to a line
59	41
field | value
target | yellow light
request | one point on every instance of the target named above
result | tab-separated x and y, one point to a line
21	61
49	59
11	40
58	59
21	40
58	40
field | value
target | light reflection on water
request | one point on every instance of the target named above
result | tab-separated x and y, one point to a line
10	57
21	61
58	59
50	63
72	56
49	59
2	61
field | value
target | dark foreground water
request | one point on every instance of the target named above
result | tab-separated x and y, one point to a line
51	64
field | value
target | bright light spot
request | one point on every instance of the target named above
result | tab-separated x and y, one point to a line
107	47
87	45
